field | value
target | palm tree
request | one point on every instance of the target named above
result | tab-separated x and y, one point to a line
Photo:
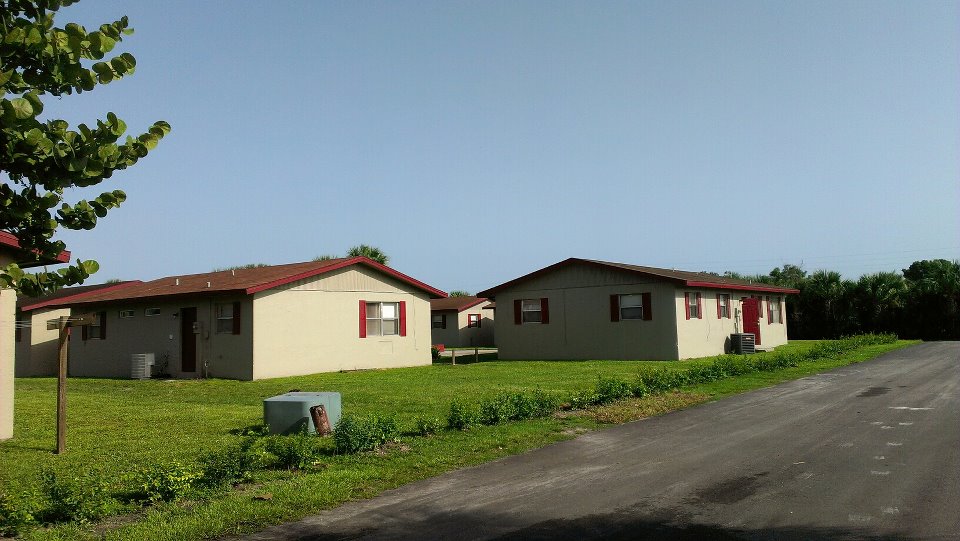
371	252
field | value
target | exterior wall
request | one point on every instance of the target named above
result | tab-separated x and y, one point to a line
459	334
37	353
580	326
8	308
710	335
312	325
224	355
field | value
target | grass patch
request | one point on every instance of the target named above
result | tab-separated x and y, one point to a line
117	427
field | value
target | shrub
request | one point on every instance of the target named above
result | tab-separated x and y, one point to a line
611	389
583	399
428	425
17	514
435	353
78	498
355	434
544	403
461	416
293	452
164	482
496	410
639	387
233	464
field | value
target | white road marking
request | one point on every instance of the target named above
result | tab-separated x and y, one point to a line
907	408
890	511
875	472
908	423
848	444
879	457
885	427
877	423
894	443
859	518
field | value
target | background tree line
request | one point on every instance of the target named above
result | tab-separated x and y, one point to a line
923	301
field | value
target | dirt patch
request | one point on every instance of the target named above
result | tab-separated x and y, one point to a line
875	391
632	409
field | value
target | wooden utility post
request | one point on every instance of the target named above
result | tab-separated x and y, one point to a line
63	324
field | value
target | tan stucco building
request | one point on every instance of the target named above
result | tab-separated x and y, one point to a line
256	323
462	321
585	309
11	252
37	346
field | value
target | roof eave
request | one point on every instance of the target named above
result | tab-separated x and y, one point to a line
742	287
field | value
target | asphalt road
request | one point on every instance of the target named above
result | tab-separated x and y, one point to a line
869	451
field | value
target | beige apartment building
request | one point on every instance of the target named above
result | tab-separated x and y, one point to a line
585	309
462	321
265	322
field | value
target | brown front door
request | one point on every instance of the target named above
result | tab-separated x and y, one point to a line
751	317
188	340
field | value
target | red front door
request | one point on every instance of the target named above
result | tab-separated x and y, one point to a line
751	317
188	340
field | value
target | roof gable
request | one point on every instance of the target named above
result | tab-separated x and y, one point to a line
243	281
680	278
10	241
456	303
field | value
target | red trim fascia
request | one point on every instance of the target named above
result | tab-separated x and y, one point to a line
436	293
66	299
471	305
157	298
741	287
11	240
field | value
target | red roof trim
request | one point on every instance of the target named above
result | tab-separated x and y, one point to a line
11	240
60	300
346	263
741	287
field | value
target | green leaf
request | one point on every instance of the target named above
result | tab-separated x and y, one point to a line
22	109
34	100
89	266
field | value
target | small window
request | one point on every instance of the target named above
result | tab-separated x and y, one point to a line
693	305
631	306
225	318
383	318
150	312
437	321
473	320
773	306
530	311
95	329
126	314
723	306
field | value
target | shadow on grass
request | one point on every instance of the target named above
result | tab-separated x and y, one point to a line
468	358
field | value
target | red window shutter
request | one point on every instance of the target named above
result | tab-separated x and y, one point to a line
718	305
544	310
686	304
647	306
614	308
363	318
403	318
759	305
103	325
517	315
769	312
443	321
236	318
479	319
699	308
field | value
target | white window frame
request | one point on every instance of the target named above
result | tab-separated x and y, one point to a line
127	314
724	300
625	304
224	318
151	312
527	311
692	306
375	322
776	315
475	323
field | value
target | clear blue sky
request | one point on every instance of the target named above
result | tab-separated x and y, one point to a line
477	141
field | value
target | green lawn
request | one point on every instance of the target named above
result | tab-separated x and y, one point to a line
116	426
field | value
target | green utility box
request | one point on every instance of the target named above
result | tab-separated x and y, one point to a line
290	413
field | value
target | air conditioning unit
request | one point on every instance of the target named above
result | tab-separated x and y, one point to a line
743	343
141	365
